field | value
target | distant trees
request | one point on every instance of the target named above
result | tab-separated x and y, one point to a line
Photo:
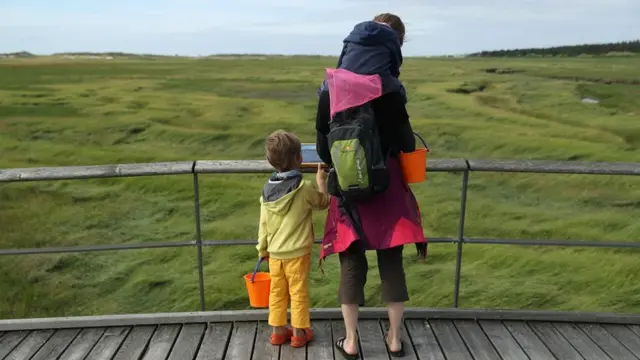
20	54
87	53
572	50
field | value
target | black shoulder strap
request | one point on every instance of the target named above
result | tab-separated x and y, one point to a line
348	209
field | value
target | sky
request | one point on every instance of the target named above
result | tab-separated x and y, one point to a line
199	27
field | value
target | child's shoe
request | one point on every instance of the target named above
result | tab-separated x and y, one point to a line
298	342
280	339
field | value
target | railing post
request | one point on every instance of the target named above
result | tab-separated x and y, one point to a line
463	212
196	198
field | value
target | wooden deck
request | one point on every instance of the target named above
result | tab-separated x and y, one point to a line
425	339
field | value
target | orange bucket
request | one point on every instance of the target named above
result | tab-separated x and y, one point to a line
258	287
414	166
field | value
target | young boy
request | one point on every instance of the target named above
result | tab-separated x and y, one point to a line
375	47
285	236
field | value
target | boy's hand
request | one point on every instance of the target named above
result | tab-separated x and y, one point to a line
321	179
321	175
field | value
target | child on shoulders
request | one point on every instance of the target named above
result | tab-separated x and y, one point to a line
375	47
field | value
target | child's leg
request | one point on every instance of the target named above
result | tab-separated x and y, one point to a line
297	271
278	301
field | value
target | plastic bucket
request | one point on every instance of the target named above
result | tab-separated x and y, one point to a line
258	289
414	166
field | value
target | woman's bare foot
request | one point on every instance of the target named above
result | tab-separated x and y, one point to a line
349	350
351	346
394	344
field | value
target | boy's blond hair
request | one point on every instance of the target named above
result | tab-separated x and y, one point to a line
284	150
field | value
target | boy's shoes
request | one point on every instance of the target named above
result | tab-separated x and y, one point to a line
280	339
298	342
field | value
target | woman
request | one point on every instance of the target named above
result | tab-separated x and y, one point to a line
386	221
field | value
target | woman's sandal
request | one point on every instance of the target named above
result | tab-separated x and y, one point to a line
280	339
298	342
345	354
399	353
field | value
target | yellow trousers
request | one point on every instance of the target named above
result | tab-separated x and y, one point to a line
290	282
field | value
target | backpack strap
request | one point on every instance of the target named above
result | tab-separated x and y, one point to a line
350	211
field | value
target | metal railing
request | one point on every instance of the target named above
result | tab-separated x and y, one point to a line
195	168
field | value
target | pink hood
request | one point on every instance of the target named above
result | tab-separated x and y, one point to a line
348	89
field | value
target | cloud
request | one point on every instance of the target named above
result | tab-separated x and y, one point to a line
295	26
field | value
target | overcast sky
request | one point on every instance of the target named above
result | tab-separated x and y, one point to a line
199	27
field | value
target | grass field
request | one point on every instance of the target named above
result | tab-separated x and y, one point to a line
57	112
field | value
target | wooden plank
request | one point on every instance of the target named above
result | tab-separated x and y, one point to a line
409	351
135	343
10	340
635	329
56	345
82	344
109	343
581	342
371	340
215	341
607	342
186	346
263	349
288	352
162	341
477	342
424	340
504	343
528	340
452	344
30	345
339	331
625	336
242	340
321	347
554	340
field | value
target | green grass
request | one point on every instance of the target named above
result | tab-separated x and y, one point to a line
56	112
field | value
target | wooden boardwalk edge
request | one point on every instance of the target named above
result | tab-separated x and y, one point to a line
316	314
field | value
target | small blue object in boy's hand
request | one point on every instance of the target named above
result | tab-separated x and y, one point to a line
310	154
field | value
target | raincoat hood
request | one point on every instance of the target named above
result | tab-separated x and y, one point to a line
279	191
378	47
372	48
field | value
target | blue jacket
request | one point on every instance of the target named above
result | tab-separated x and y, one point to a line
373	48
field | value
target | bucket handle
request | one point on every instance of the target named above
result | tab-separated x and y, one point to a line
253	277
423	142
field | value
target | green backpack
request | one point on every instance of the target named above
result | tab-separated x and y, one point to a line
358	170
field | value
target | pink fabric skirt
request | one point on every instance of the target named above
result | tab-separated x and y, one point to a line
389	219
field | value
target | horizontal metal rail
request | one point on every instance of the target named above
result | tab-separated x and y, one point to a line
261	166
177	244
194	168
555	167
558	243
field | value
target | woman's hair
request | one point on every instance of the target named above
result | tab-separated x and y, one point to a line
394	22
